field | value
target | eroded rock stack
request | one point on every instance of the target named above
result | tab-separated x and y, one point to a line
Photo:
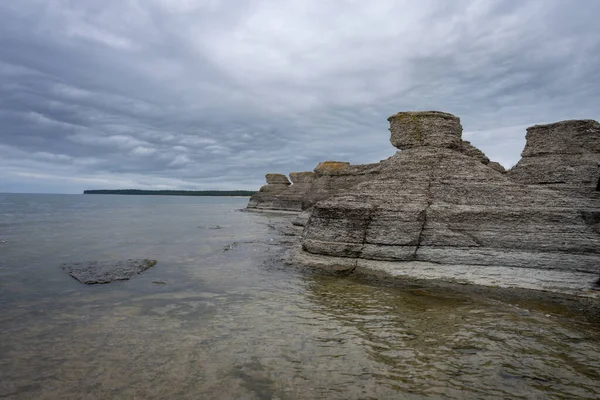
328	178
433	201
269	195
563	156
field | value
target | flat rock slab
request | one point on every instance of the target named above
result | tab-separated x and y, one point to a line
95	272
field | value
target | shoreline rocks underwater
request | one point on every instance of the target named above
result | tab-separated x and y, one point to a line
440	211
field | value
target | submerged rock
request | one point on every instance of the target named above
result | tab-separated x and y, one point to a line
434	202
96	272
564	155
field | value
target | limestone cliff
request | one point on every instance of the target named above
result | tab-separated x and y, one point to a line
435	202
268	196
328	178
564	156
336	177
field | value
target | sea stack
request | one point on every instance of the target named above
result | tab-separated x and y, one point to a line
438	200
563	156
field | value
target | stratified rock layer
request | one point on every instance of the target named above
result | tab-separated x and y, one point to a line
328	178
409	129
425	128
432	203
277	179
564	156
97	272
269	195
472	151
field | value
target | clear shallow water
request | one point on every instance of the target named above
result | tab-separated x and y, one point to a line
209	323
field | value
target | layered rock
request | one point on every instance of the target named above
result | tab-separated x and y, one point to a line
274	195
497	166
277	179
408	129
433	129
99	272
335	177
434	202
328	178
564	156
302	177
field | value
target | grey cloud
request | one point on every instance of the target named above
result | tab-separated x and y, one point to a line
214	94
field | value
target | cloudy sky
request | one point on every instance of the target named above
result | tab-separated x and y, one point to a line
207	94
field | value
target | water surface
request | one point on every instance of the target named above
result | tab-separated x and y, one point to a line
215	319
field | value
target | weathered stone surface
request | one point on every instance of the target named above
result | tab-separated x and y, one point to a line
472	151
564	137
570	282
277	179
497	166
563	156
329	177
302	218
273	187
283	196
302	177
425	128
95	272
432	203
329	168
271	196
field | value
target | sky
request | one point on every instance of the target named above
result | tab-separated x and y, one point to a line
207	94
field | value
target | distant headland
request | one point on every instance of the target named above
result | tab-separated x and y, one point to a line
238	193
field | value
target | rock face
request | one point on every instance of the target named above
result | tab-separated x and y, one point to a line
334	177
94	272
277	179
425	129
497	166
328	178
564	156
302	177
408	129
435	202
472	151
269	195
280	194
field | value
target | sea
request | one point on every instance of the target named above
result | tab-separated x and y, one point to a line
219	317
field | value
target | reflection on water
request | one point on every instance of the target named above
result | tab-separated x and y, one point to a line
222	324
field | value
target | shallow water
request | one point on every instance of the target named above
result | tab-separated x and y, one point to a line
213	319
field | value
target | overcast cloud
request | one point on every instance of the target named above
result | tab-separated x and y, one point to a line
184	94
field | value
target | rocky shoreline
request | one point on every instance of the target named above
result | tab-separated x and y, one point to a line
440	210
555	293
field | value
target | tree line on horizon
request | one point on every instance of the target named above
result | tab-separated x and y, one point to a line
241	193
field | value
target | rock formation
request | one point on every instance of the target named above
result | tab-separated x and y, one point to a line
328	178
98	272
436	201
564	156
277	179
269	196
335	177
